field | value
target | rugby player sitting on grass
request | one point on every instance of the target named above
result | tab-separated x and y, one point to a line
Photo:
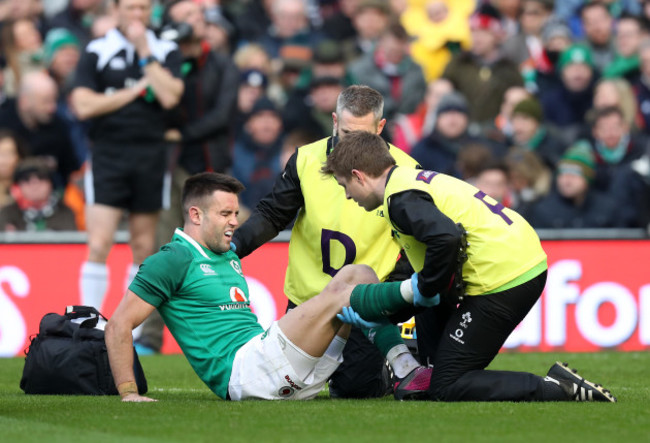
197	285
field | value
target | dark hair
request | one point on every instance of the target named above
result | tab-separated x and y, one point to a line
21	146
360	100
595	4
33	166
395	29
360	150
600	113
167	16
202	185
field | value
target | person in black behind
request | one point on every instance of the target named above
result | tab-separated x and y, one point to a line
124	82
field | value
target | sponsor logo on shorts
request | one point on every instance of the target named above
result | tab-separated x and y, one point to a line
285	391
291	383
426	176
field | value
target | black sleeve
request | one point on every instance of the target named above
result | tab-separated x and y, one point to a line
173	62
218	118
85	74
273	213
414	213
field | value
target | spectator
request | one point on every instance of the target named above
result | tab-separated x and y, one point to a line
292	141
529	178
78	18
289	31
252	86
500	130
32	117
566	104
253	22
391	71
328	64
508	12
569	11
573	203
338	26
472	158
203	127
525	48
616	149
315	116
408	129
492	179
629	33
530	132
36	206
22	48
61	55
598	25
642	86
257	152
556	37
618	92
438	151
440	29
219	32
328	61
370	21
125	82
483	75
12	152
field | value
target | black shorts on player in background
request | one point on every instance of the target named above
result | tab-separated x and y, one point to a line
462	341
128	177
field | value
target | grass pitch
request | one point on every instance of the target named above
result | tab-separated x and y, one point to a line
187	411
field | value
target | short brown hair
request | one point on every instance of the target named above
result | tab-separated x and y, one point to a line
202	185
360	150
360	100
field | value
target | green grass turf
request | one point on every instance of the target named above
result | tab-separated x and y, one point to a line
187	411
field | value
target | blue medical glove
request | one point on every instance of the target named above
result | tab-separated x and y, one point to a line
233	247
349	316
420	300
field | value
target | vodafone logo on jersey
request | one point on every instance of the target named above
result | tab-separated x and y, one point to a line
237	295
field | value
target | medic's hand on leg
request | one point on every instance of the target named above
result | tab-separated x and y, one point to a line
420	300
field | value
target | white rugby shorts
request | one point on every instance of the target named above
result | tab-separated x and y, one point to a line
262	370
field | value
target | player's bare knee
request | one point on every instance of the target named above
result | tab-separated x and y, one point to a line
358	274
99	248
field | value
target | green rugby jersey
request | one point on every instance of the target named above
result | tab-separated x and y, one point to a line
203	298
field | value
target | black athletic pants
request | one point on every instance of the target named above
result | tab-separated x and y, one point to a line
462	341
363	373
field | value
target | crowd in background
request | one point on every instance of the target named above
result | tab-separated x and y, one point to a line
544	105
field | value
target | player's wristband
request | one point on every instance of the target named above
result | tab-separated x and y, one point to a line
147	60
127	388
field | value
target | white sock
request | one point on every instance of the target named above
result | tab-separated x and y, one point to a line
407	291
401	360
93	283
335	349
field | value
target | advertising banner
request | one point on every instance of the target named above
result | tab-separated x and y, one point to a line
597	295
